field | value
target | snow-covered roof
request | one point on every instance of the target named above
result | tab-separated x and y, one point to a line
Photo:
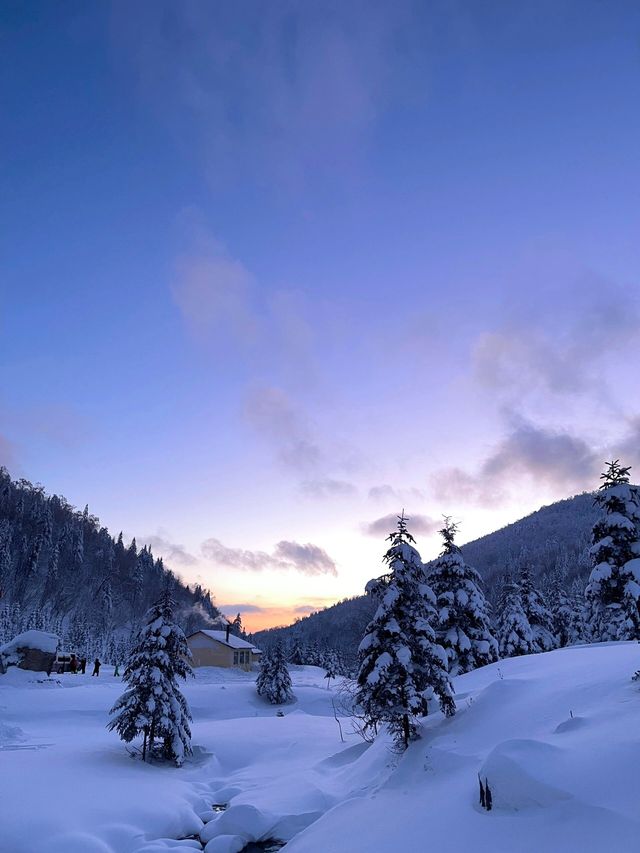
232	641
41	640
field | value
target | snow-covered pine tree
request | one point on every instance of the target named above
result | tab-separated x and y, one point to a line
562	610
298	652
236	627
153	705
576	621
463	626
273	681
401	664
537	613
613	591
514	632
331	665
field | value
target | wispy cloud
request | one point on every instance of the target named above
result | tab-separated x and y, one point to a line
286	96
327	489
565	351
170	551
273	414
214	293
242	608
386	494
388	523
548	457
286	556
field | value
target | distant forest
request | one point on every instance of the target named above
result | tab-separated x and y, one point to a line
61	570
552	542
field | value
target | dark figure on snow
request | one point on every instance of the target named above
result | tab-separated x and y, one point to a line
116	672
83	665
73	665
96	667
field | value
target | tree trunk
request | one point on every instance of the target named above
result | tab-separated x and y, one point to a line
144	744
151	737
406	731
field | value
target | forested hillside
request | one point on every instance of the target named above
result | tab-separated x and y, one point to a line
552	542
60	569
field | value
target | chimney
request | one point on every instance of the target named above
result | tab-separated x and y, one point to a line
228	630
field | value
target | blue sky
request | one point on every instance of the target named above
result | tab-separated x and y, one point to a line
272	271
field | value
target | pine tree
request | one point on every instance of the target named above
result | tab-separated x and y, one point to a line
537	613
273	681
236	626
401	664
463	626
153	705
577	632
613	591
514	632
562	610
331	665
298	652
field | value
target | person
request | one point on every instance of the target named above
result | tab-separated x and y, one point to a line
73	665
117	670
96	667
83	665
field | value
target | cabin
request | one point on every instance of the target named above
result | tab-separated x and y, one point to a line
221	648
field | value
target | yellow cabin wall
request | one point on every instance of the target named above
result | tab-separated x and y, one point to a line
206	651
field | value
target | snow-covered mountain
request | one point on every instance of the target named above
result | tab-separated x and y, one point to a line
553	542
60	569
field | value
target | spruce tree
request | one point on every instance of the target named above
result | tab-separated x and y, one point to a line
576	621
463	626
562	611
298	652
274	681
537	613
514	632
331	665
401	664
153	705
613	591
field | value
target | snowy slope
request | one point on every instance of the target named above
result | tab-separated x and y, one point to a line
560	782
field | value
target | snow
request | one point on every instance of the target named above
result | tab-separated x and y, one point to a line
41	640
554	734
221	636
11	652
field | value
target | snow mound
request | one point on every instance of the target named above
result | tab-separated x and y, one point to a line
10	735
570	725
31	650
517	772
76	842
41	640
243	821
226	844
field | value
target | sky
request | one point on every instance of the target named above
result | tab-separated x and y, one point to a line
274	271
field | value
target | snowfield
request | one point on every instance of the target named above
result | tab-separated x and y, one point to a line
555	735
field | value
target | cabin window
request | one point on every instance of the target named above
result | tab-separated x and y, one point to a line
235	659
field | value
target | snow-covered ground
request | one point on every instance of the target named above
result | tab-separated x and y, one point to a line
554	734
